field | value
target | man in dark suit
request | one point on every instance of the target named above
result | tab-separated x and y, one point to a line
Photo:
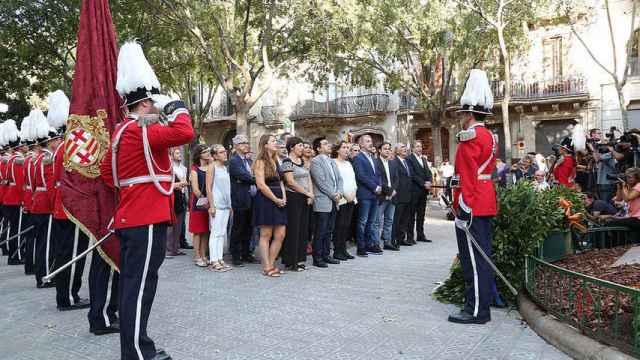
421	176
369	187
402	200
243	188
387	168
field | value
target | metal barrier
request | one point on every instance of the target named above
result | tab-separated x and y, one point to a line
600	309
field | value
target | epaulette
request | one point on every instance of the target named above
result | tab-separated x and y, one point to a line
466	135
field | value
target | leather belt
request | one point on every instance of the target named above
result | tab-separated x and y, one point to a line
144	179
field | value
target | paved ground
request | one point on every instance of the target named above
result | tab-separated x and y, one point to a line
375	308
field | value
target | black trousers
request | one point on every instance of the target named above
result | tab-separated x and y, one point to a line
70	241
44	245
29	244
294	248
14	214
401	217
478	275
142	251
325	222
4	229
103	293
241	232
416	218
342	232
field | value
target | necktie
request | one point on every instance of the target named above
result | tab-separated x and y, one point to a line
252	189
406	167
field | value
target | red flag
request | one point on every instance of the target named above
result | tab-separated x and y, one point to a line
94	112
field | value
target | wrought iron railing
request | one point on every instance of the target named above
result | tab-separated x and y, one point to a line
569	86
603	310
348	105
269	113
408	102
223	108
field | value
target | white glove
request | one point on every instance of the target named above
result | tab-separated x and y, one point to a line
160	101
461	224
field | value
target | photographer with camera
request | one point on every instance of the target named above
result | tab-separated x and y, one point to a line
628	190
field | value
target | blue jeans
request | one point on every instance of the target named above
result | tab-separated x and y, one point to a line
366	234
386	209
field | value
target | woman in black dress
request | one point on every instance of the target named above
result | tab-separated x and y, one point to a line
269	212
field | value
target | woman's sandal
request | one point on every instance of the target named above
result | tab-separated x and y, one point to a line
273	272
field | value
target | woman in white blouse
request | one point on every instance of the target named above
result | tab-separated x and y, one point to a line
219	206
347	203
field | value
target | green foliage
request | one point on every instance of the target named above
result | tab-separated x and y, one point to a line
525	218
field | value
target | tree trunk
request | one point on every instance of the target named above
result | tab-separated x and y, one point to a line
242	120
435	136
624	116
506	126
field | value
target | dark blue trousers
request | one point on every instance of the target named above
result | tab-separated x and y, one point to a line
476	271
43	244
325	222
69	242
29	244
13	213
142	251
4	229
103	293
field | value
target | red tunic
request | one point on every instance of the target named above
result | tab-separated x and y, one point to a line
143	204
28	171
565	172
3	177
58	168
13	194
43	184
477	188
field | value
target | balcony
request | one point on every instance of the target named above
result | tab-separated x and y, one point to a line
568	87
343	107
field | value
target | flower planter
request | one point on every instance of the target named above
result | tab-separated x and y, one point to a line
556	246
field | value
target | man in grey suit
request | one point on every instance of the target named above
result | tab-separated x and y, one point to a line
327	186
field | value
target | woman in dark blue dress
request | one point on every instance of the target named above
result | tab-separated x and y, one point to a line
269	212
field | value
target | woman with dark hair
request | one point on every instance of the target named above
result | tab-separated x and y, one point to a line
347	204
269	212
199	205
629	193
299	199
307	155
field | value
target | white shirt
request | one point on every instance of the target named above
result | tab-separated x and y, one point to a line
370	160
180	171
447	170
345	169
385	165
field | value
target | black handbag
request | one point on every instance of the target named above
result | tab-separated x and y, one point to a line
179	201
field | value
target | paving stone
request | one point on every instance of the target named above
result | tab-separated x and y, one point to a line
365	309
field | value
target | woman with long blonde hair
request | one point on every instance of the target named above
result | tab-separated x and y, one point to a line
269	212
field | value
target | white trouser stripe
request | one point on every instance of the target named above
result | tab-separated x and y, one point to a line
136	336
46	259
35	254
107	323
19	235
475	276
76	233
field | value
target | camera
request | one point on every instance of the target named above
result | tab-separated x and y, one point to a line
616	177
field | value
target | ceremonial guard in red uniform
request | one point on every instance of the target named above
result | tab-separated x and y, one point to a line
67	237
33	130
41	178
564	169
4	223
13	196
475	198
138	165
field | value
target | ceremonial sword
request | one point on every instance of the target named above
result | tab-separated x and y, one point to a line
18	234
80	256
484	255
